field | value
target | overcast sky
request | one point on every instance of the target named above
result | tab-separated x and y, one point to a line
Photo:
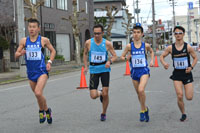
163	10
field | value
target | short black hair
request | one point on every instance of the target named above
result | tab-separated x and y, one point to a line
98	26
34	20
136	27
180	28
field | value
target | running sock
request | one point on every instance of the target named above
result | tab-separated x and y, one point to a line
142	111
47	110
41	111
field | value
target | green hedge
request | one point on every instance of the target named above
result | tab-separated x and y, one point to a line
4	43
59	57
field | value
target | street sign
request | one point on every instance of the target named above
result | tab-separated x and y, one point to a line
190	5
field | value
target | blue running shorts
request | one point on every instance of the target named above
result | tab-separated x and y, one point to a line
33	76
137	73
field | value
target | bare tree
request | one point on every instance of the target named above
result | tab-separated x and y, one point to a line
33	7
7	32
127	24
111	12
74	19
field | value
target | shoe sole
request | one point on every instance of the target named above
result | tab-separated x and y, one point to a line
184	120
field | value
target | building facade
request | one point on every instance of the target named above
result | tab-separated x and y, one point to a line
118	37
50	15
189	23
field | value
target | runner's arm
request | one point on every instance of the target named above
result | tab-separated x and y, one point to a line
194	56
112	51
50	47
85	54
151	53
164	54
126	50
20	51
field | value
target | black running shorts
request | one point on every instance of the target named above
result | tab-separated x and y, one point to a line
94	80
182	76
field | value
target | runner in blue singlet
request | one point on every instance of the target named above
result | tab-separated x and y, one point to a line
139	67
37	70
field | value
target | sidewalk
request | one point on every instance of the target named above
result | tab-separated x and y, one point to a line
14	74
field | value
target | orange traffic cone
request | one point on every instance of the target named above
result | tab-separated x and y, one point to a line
156	62
127	69
83	84
156	49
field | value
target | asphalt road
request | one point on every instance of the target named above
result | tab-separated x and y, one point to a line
75	112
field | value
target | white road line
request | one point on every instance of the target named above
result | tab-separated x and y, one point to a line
12	88
16	87
49	81
63	78
155	92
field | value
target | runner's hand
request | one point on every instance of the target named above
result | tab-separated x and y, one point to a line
166	65
48	67
107	64
151	63
128	57
23	52
85	70
188	70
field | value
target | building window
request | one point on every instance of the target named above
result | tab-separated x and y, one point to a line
62	4
86	7
48	3
34	1
117	45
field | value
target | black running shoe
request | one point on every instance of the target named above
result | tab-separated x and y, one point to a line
49	116
42	117
183	117
101	98
146	113
103	117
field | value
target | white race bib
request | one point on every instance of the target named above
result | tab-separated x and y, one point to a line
181	63
98	57
33	53
138	61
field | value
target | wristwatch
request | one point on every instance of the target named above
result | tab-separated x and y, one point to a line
49	61
192	67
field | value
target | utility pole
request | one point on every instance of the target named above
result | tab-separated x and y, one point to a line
154	27
189	26
174	13
20	32
134	11
197	30
199	5
173	7
138	11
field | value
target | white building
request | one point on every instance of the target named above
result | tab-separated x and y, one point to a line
118	37
183	21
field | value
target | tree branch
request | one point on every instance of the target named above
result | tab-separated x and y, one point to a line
28	2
